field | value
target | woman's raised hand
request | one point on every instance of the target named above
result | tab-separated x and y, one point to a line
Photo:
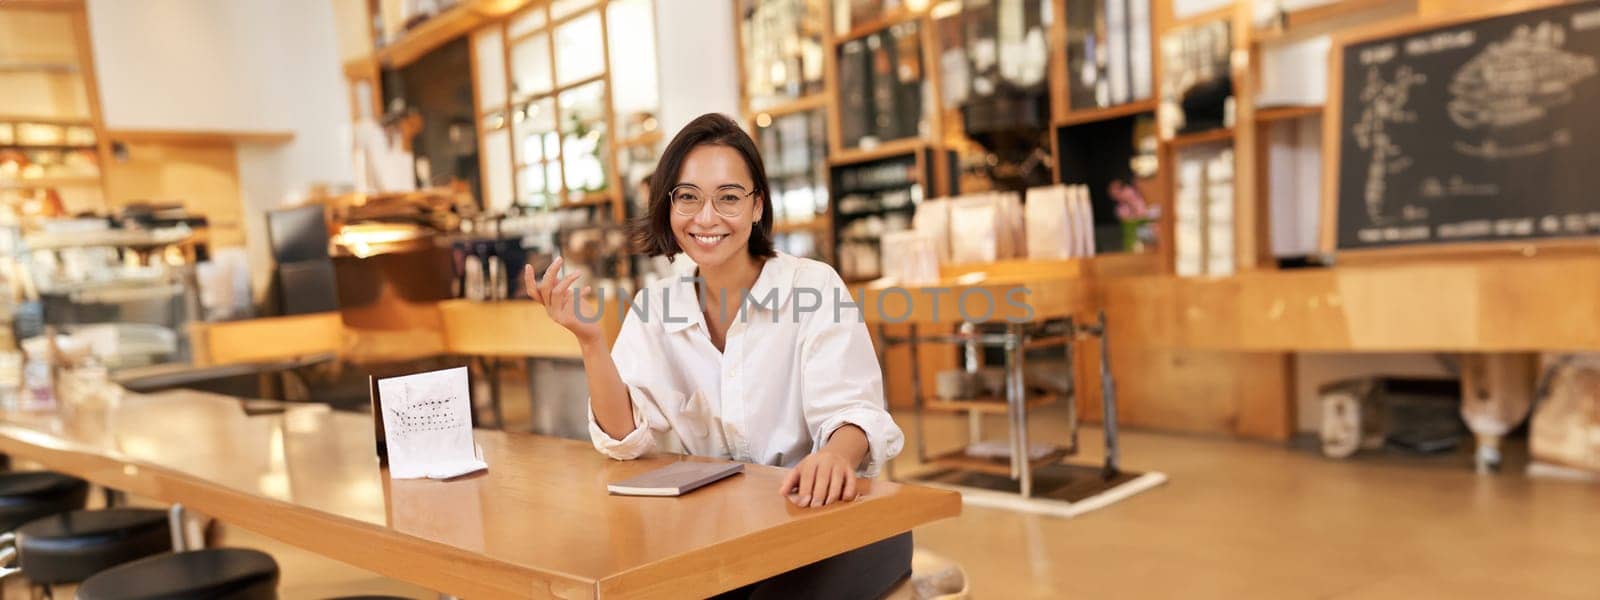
560	300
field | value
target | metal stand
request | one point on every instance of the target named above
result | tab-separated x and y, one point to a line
490	367
189	530
1016	340
177	523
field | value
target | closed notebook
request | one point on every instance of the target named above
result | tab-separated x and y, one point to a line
676	479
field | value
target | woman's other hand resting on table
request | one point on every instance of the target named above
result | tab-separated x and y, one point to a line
827	475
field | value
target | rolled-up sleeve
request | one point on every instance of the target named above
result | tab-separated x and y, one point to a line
631	341
637	443
842	384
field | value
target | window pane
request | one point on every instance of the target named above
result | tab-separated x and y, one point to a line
497	170
534	187
562	8
533	121
526	22
530	66
635	95
585	158
552	176
579	55
584	103
552	144
490	54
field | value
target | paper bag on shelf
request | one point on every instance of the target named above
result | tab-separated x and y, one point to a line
974	223
1049	227
1012	234
933	218
1082	221
909	258
1046	212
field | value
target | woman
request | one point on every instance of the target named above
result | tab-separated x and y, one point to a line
760	357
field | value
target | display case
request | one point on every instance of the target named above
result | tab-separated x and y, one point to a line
873	198
784	77
794	147
51	146
880	93
784	50
131	291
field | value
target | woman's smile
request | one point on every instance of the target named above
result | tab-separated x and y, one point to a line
709	240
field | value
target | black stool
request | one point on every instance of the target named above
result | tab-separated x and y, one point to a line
218	573
70	547
29	495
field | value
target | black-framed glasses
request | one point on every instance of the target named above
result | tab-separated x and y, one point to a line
728	200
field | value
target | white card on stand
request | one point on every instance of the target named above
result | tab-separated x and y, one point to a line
427	423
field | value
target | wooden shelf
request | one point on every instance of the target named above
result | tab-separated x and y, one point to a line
986	405
57	147
43	4
1091	115
852	214
903	15
958	459
49	182
1317	14
39	67
804	103
199	137
111	238
63	121
813	225
590	199
885	150
1223	134
1284	113
442	28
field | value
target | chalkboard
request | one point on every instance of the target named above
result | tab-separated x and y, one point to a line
1486	130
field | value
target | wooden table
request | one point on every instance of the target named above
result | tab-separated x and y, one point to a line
538	524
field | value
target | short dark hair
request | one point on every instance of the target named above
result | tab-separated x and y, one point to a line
652	234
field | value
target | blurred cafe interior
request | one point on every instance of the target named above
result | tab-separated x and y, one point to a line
1244	298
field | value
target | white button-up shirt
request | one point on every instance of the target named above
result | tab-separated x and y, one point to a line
796	365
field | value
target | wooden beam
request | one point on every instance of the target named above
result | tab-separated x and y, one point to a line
62	5
442	28
199	136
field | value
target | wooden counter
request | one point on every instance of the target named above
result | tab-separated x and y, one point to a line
508	328
538	524
1016	290
1503	305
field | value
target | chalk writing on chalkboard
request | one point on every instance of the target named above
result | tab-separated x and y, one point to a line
1479	130
1518	80
1385	106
